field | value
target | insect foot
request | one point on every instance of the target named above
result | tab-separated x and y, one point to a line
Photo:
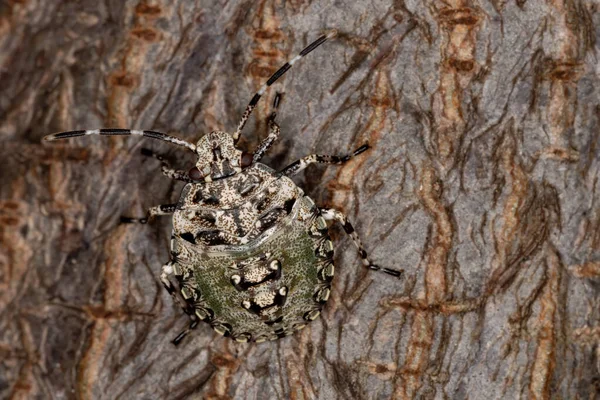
251	254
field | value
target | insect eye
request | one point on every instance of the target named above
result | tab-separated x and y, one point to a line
247	159
195	174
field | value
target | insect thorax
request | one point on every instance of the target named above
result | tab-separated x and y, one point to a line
234	210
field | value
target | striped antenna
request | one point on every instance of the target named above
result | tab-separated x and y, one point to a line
122	132
252	105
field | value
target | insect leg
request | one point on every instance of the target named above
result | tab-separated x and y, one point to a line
332	214
167	271
238	132
163	209
274	130
184	333
166	169
302	163
122	132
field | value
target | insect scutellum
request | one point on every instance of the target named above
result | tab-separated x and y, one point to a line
250	253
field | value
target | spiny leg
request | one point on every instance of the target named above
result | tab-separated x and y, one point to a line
166	169
302	163
332	214
274	131
250	107
166	272
122	132
163	209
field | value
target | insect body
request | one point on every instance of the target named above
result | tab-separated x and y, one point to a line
250	253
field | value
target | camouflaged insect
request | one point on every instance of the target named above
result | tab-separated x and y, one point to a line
250	253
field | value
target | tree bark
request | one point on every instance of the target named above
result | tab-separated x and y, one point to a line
483	184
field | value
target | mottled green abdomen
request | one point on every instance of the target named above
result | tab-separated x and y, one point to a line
269	287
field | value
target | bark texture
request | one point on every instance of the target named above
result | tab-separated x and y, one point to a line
483	184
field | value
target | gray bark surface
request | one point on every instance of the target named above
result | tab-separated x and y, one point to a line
483	184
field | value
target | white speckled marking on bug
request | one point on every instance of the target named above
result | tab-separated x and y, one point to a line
250	253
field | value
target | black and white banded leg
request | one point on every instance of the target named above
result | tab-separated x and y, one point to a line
166	169
123	132
302	163
252	105
332	214
274	131
166	272
163	209
193	324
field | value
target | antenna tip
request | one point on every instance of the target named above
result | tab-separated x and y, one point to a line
331	33
49	138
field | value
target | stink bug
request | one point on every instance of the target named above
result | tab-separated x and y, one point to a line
250	253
